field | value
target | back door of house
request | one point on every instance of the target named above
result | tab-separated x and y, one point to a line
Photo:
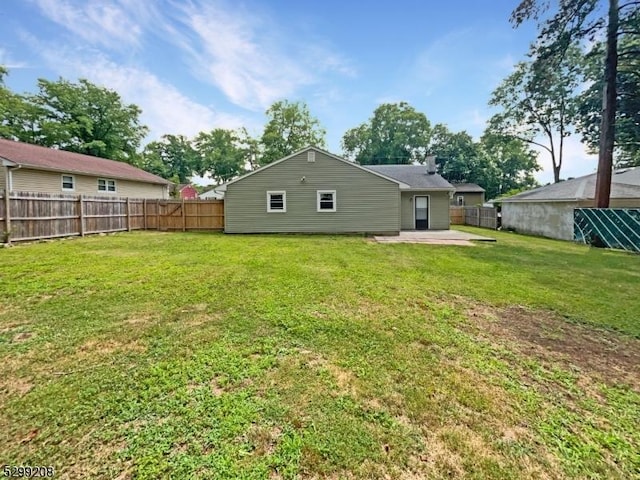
422	213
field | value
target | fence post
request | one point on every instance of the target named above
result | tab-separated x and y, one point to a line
158	214
144	214
7	208
128	210
184	217
81	214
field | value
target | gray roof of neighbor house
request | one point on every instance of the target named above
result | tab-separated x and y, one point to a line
468	188
43	158
625	183
415	176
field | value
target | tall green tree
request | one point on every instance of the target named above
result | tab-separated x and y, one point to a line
19	119
172	157
571	23
289	128
220	155
627	119
85	118
395	134
537	103
462	160
514	164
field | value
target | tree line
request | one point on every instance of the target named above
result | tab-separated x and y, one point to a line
556	92
85	118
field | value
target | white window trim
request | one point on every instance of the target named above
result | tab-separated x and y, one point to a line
460	197
335	201
106	183
284	201
73	181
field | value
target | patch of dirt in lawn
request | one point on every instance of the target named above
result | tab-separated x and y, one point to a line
550	337
108	347
15	385
22	337
344	379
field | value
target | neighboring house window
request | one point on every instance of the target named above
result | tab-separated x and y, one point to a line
460	200
326	200
106	185
277	202
68	182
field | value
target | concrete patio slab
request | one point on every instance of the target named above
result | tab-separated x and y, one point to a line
434	237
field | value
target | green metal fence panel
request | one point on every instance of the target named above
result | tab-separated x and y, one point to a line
608	227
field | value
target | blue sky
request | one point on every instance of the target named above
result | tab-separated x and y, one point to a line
200	64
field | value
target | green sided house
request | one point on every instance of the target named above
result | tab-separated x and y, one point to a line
313	191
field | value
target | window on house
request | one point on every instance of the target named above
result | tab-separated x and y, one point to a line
106	185
326	200
68	182
276	202
460	200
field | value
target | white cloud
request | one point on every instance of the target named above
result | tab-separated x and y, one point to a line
7	61
164	108
98	22
242	53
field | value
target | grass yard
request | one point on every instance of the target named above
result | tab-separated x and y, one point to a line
149	355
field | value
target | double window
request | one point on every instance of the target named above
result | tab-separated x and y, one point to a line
68	183
276	202
106	185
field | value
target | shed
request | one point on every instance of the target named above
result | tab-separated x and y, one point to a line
548	210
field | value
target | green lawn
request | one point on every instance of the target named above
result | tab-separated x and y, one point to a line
150	355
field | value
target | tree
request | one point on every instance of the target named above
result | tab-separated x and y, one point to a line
514	161
220	155
573	22
172	157
84	118
290	127
538	106
462	160
19	119
627	141
396	134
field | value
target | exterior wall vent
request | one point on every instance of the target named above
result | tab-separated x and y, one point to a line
311	156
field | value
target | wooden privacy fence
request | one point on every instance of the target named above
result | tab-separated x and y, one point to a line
486	217
35	216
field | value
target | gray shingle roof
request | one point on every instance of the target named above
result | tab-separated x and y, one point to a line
624	184
468	188
415	176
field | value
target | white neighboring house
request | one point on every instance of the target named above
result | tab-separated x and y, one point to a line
212	194
548	210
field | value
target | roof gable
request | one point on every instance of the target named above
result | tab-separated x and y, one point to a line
43	158
319	150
